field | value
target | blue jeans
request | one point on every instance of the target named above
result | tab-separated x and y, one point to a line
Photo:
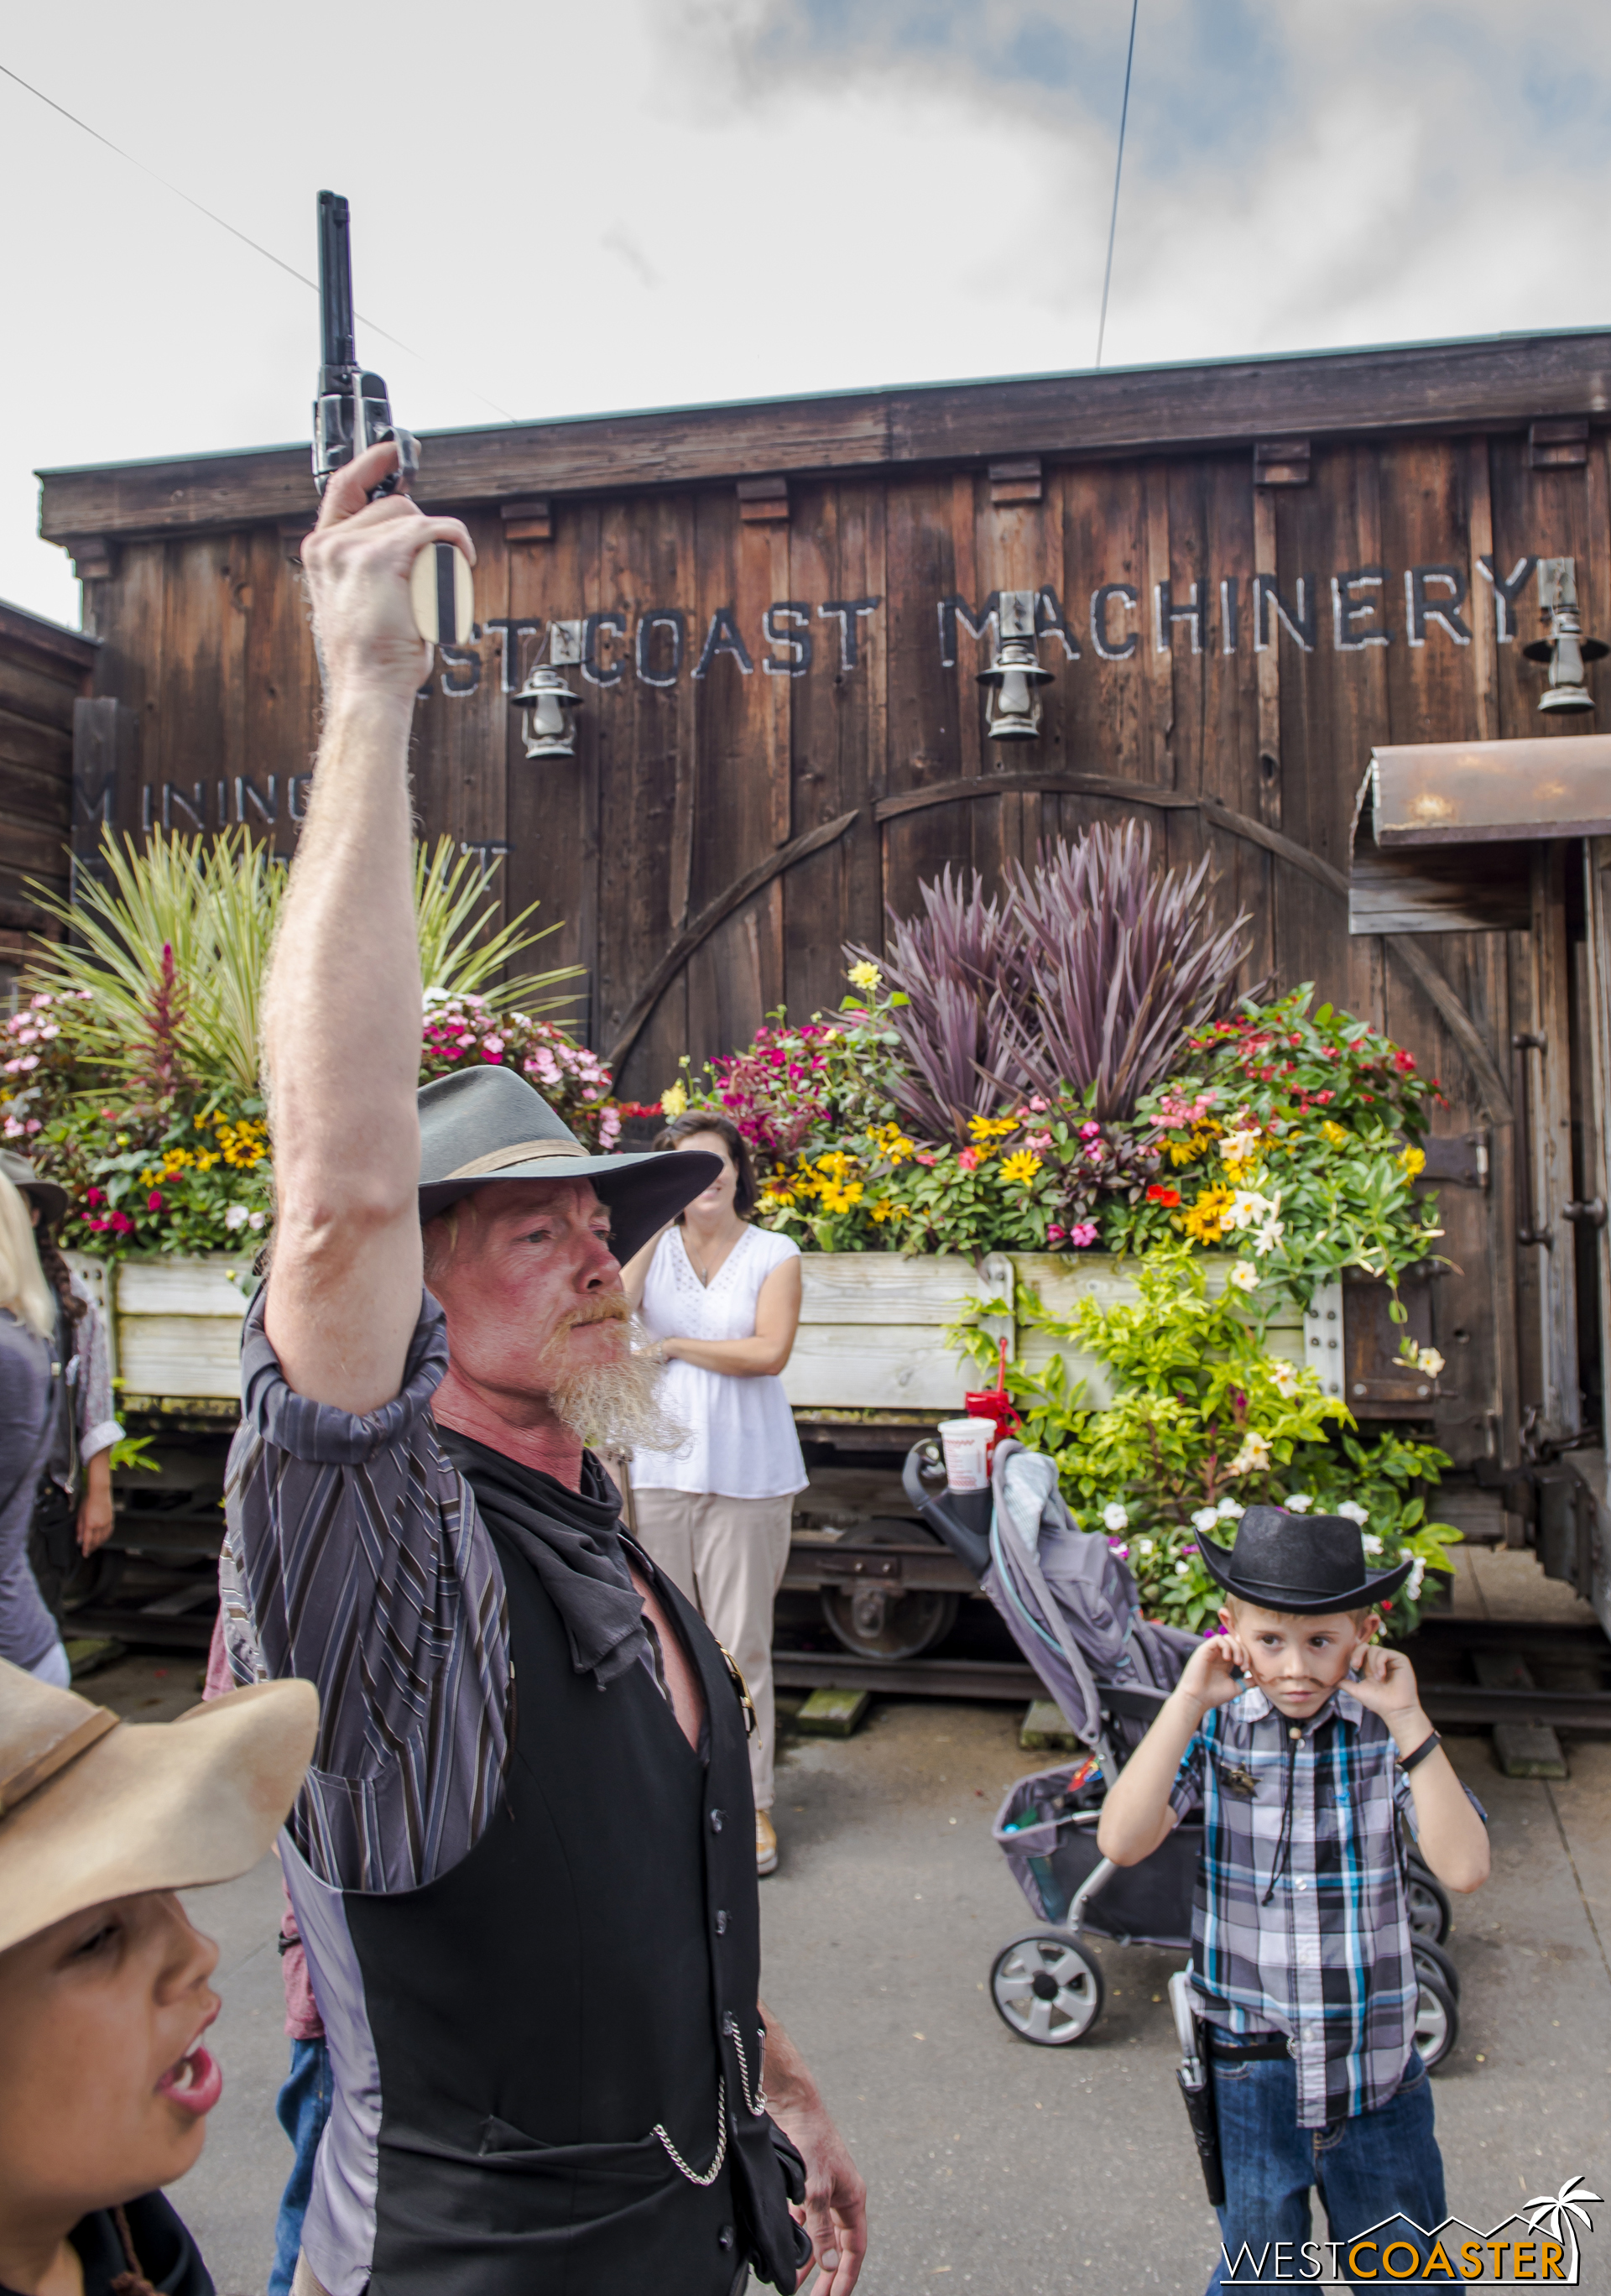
1374	2165
303	2108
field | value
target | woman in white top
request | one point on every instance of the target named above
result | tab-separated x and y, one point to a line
722	1300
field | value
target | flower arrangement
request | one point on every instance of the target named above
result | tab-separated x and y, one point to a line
1207	1420
466	1029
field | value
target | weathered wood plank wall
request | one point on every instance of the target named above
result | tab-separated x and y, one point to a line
44	669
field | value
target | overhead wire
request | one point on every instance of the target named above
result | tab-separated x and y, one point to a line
234	231
1118	169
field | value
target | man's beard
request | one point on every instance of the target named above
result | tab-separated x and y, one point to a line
611	1407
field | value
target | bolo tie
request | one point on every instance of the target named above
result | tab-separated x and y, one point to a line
1283	1848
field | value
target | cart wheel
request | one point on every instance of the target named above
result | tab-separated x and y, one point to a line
1430	1912
875	1623
1046	1989
1436	2020
1431	1956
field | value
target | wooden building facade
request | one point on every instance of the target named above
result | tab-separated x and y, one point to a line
1245	577
45	670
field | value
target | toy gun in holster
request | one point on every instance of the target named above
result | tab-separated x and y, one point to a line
1196	2089
353	412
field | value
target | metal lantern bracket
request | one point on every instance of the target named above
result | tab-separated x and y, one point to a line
1015	676
546	702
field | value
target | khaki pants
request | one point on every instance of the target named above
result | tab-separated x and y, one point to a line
728	1556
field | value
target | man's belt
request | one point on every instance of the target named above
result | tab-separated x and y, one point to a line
1227	2049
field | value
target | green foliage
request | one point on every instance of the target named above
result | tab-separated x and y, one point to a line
1206	1419
134	1451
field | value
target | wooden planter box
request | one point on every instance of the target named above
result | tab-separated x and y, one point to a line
871	1335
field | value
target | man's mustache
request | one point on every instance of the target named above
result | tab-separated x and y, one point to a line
609	1307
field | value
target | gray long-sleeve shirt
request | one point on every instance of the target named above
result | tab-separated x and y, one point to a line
26	1417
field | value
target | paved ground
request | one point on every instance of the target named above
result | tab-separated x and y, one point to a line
1013	2170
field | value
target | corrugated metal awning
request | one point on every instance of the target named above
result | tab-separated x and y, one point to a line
1479	792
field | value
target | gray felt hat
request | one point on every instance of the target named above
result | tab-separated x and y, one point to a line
487	1123
1309	1564
49	1195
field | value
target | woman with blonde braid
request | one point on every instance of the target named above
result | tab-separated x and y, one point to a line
28	1636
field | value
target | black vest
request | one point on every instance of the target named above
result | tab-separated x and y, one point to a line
587	1973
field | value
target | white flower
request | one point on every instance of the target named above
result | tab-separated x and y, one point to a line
1253	1457
1115	1517
1229	1511
1269	1236
1182	1569
1430	1361
1372	1544
1244	1275
236	1216
1354	1511
254	1219
1299	1502
1283	1378
1206	1518
1240	1147
1143	1545
1413	1584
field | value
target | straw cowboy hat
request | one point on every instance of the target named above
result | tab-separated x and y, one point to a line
487	1123
1310	1564
49	1197
92	1807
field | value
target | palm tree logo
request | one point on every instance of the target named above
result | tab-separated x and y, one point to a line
1554	2214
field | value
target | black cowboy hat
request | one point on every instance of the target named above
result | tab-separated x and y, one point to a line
48	1194
487	1123
1310	1564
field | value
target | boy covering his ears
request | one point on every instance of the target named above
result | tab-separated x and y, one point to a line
1304	1742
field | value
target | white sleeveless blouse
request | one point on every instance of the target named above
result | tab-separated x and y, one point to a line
742	1441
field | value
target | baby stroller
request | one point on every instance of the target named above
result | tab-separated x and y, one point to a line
1071	1604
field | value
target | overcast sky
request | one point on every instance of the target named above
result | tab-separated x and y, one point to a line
565	208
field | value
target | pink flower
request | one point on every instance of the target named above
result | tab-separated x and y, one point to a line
925	1156
1092	1131
95	1196
1055	1235
1404	1062
969	1161
153	1202
1083	1233
33	1124
121	1224
1038	1104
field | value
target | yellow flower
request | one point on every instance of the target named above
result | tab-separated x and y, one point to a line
836	1199
836	1163
1021	1167
1334	1133
1414	1162
674	1100
885	1210
1187	1151
991	1127
866	977
1204	1220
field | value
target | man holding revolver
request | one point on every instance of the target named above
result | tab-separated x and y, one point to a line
521	1865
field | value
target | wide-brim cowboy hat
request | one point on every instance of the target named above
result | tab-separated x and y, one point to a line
487	1123
48	1194
92	1807
1310	1564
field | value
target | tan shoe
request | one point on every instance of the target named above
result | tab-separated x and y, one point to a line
766	1844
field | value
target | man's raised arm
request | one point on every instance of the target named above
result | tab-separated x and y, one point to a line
341	1007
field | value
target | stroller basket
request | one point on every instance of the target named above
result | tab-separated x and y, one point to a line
1053	1853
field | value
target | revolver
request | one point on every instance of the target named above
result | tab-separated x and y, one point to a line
352	412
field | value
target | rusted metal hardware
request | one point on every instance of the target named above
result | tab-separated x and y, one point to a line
1478	792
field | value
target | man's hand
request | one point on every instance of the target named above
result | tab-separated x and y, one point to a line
835	2213
358	561
96	1515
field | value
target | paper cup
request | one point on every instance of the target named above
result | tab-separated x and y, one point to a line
967	1443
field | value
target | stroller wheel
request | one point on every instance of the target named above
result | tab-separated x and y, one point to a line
1437	2020
1046	1989
1432	1957
1430	1912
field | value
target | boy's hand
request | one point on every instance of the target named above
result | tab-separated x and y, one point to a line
1207	1679
1386	1684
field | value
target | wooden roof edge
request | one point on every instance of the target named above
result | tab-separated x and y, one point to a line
1492	381
17	626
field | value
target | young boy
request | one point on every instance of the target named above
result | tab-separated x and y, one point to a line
1300	1740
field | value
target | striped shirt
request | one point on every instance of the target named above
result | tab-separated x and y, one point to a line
1327	1958
354	1557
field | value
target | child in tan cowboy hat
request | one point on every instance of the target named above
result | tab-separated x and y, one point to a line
105	2079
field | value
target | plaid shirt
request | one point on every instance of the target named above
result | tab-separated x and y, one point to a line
1327	1959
